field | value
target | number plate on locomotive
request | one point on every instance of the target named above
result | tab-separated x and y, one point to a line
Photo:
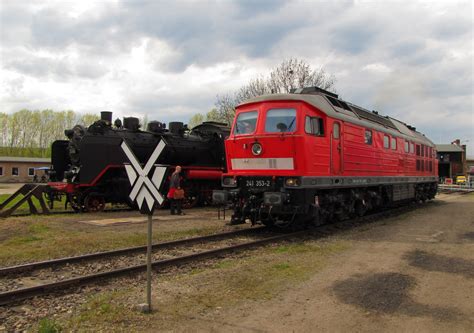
257	182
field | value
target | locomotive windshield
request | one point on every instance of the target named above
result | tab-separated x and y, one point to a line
280	120
246	123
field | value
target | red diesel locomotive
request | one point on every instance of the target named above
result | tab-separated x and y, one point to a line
309	157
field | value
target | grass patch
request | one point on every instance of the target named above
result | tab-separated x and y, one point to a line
225	264
47	325
25	208
282	266
35	238
104	307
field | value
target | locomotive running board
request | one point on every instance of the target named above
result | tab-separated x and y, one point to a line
28	191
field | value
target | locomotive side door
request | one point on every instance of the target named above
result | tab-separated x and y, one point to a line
336	149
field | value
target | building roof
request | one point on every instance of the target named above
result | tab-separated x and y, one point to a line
25	159
449	148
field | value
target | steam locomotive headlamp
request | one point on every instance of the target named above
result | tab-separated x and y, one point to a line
292	182
257	149
229	181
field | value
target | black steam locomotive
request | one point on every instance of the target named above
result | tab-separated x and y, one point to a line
89	166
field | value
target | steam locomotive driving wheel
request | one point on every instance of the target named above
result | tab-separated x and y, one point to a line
75	200
190	200
94	202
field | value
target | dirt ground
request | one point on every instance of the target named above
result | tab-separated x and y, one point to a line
414	273
9	188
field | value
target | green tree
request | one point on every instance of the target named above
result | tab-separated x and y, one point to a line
195	120
88	119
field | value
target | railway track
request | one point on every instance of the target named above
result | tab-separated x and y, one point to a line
11	296
71	212
16	273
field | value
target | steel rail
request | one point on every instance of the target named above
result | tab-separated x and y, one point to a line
25	293
106	254
71	212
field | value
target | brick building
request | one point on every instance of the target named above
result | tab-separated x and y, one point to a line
451	160
23	169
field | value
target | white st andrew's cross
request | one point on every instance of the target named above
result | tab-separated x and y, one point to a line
144	189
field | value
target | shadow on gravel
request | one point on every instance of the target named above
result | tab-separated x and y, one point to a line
388	293
438	263
468	235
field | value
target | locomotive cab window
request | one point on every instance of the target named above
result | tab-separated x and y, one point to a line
314	126
280	121
394	143
335	131
386	142
246	123
368	137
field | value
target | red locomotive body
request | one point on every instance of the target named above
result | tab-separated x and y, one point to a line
310	157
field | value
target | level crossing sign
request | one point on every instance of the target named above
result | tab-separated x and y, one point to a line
145	191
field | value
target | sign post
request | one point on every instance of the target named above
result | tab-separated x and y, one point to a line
145	193
148	263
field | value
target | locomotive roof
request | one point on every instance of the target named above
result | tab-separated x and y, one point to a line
339	109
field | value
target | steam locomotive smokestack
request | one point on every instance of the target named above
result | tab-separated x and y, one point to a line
106	116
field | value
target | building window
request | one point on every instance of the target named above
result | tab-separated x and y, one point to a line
412	148
407	147
31	172
394	143
422	151
417	165
1	171
417	150
314	126
368	137
431	166
335	131
15	171
386	142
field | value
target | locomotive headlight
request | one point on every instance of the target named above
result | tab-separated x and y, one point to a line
257	149
292	182
229	182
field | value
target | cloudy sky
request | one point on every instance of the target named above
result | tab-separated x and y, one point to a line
412	60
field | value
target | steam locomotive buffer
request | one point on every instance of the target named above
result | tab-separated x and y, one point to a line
308	157
88	167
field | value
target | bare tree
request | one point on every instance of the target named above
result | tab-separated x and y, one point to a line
290	74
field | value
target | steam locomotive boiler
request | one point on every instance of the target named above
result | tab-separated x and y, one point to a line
309	157
89	166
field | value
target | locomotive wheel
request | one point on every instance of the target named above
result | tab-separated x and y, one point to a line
75	201
94	203
190	201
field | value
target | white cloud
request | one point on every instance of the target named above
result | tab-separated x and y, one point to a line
409	59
